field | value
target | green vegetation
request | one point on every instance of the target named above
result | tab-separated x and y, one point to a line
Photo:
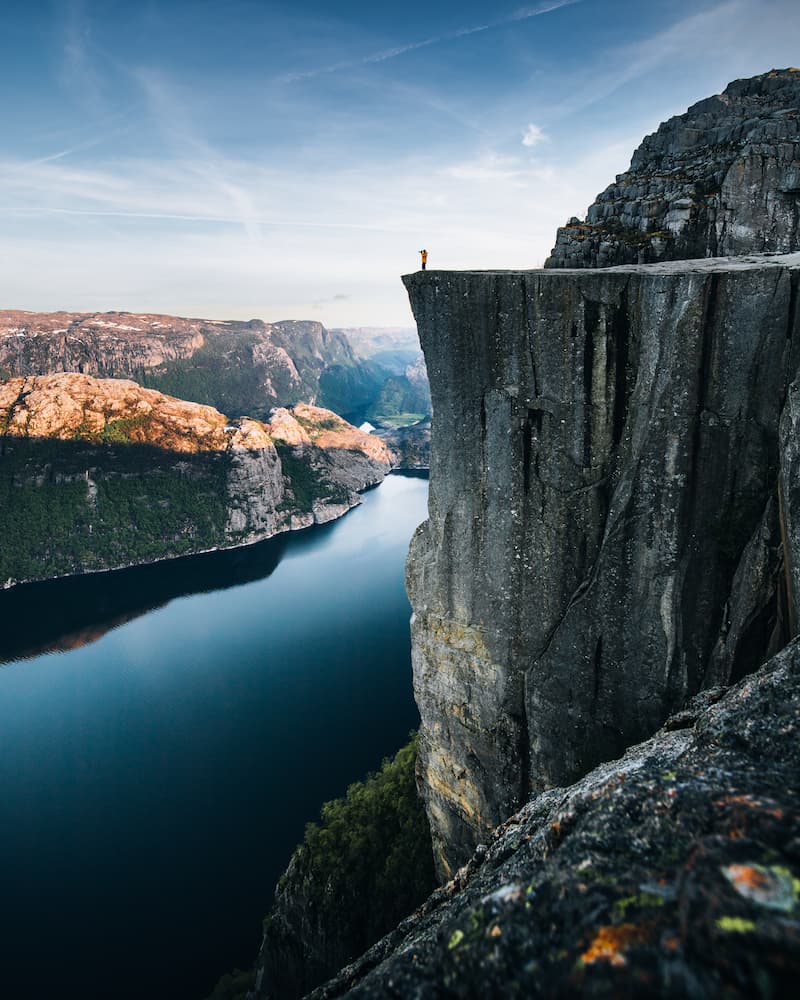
350	390
307	483
234	985
735	925
69	506
365	866
314	426
401	402
372	848
226	374
222	374
399	419
120	431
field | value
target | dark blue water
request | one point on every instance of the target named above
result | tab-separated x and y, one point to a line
154	780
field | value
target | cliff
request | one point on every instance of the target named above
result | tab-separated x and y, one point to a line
671	872
238	367
601	541
613	538
101	473
364	867
721	179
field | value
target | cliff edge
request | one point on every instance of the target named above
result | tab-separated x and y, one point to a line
603	535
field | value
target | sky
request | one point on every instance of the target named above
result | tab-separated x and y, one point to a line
245	158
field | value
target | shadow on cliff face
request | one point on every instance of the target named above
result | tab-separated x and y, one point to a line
72	507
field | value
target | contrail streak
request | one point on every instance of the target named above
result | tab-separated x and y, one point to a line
523	14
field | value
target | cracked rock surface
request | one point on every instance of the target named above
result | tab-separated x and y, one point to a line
605	448
672	872
723	178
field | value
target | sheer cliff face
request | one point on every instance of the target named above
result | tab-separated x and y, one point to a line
605	454
724	178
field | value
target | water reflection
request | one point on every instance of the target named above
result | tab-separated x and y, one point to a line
154	782
59	615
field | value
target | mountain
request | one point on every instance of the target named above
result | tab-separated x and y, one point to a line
721	179
381	341
241	368
97	474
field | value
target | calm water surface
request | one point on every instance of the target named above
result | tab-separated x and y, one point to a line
155	777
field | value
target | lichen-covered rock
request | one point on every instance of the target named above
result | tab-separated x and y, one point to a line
673	872
605	445
722	179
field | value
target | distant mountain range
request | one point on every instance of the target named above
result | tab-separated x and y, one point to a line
242	368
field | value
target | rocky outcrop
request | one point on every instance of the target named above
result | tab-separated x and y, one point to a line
672	872
722	179
101	473
605	458
239	367
410	446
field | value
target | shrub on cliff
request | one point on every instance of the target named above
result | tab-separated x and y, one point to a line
367	864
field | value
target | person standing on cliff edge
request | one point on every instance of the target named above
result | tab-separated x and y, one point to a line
424	255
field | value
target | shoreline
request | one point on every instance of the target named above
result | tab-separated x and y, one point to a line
12	584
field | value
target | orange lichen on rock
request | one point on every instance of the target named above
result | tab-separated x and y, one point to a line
747	876
611	941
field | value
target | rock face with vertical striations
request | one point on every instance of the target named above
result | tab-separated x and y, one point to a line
605	456
669	873
722	179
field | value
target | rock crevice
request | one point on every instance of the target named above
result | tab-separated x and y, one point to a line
605	446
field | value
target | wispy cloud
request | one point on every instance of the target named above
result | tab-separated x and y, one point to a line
221	219
175	121
320	304
382	55
79	72
487	167
533	135
748	35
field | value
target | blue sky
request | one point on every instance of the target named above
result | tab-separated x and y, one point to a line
248	158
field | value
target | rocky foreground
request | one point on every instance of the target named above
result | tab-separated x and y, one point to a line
672	872
102	473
